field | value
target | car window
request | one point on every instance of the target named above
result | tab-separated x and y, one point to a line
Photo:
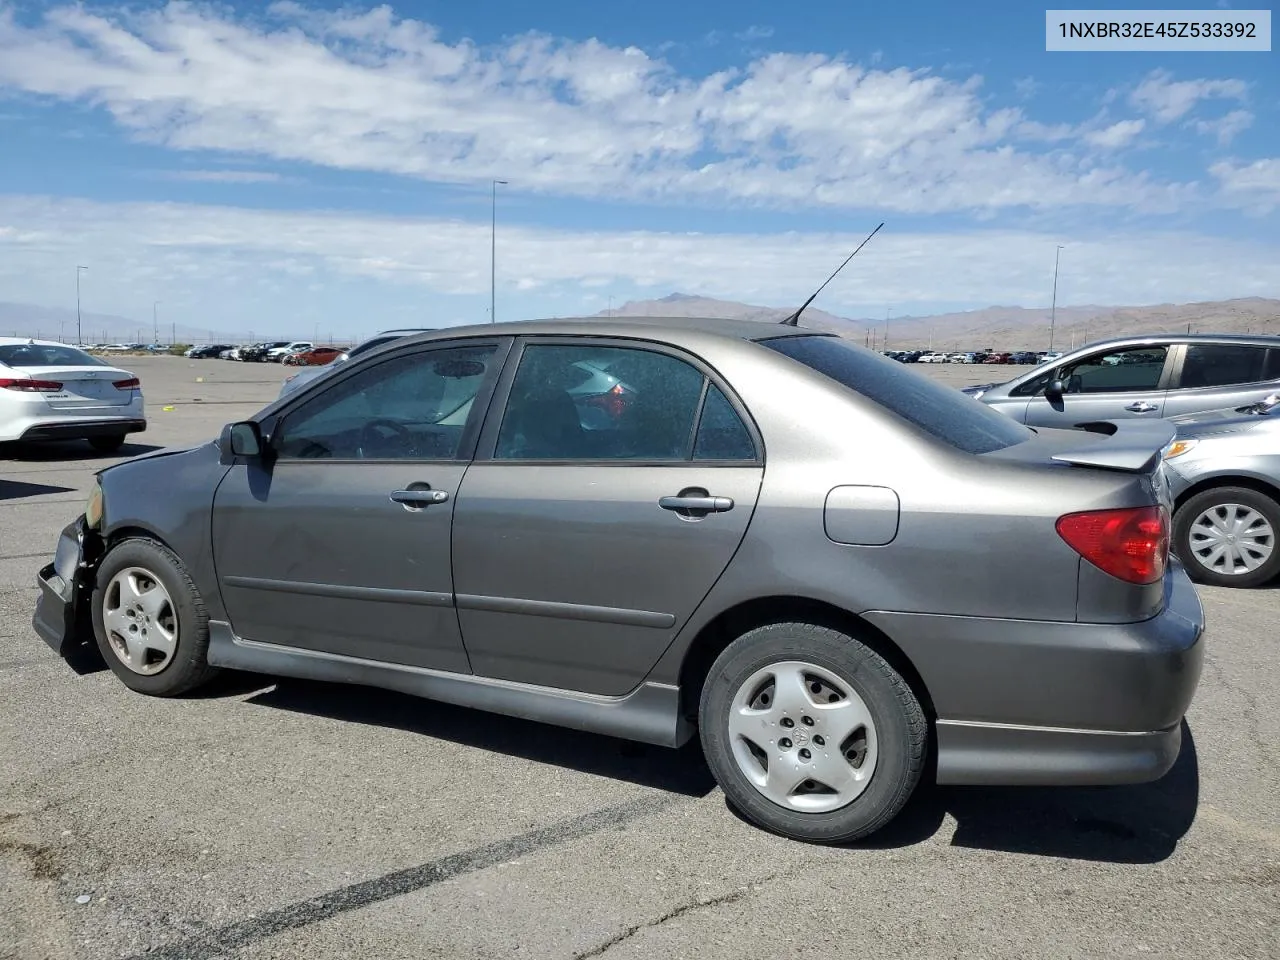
721	433
408	408
552	413
1117	371
1220	364
941	411
46	355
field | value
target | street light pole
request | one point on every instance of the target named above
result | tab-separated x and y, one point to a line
79	334
493	251
885	345
155	323
1053	310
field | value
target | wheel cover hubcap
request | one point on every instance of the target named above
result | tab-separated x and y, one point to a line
803	737
1231	539
140	621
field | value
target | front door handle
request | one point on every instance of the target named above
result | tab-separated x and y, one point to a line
699	504
416	499
1141	406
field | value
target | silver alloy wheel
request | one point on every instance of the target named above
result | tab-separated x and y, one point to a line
1231	539
803	737
140	620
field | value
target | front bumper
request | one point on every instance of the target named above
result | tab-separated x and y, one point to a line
1050	703
62	610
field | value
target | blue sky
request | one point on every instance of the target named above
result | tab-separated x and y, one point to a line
270	167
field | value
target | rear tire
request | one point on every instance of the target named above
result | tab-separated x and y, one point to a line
143	589
107	444
1252	517
851	735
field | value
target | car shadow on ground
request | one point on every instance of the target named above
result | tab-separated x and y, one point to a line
60	450
680	771
1141	823
14	489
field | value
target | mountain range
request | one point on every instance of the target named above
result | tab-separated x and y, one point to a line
996	327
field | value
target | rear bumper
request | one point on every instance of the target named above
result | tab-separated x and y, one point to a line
1032	702
83	429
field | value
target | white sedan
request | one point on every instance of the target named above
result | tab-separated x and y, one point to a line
50	391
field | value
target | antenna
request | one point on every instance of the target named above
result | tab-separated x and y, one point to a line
794	319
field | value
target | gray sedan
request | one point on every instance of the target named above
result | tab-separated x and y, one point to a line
1224	473
834	571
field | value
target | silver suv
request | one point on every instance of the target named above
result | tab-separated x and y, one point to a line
1152	377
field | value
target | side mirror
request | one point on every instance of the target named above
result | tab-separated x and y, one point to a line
240	440
1053	392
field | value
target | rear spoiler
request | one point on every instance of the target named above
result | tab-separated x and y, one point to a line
1135	446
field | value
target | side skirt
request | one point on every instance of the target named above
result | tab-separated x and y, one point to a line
650	713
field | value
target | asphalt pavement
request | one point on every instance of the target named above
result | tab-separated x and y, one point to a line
289	819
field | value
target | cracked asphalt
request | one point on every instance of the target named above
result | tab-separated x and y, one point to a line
286	819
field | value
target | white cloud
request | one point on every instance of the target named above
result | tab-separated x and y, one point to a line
369	91
211	258
1116	136
1226	128
754	33
1166	99
1254	186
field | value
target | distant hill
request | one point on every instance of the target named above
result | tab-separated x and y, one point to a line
59	323
1007	328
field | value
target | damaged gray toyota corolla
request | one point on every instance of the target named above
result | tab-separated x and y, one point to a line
820	561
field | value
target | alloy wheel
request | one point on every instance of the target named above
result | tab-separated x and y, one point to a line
140	620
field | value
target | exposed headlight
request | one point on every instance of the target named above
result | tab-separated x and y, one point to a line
1178	448
93	509
977	393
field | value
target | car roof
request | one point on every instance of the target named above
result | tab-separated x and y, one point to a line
641	327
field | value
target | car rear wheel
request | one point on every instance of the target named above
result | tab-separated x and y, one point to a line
1226	536
812	734
149	621
108	444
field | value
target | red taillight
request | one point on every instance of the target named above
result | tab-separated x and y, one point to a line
612	402
1131	544
31	386
131	384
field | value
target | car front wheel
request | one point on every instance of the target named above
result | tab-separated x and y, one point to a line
149	620
1226	536
812	734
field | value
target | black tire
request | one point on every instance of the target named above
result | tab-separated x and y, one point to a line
901	729
108	444
1196	506
188	667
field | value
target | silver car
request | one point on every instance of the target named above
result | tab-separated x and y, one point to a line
1224	474
831	569
1140	378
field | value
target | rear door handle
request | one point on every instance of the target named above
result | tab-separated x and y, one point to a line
700	504
419	498
1141	406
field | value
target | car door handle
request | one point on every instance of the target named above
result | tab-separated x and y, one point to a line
419	498
701	504
1141	406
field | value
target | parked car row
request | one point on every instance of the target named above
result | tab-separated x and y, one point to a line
975	356
277	351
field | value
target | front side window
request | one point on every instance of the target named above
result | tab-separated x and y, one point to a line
589	402
412	407
1119	371
1221	365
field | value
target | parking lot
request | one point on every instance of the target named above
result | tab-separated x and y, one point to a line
294	819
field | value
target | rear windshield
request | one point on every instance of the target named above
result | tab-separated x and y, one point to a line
46	355
942	412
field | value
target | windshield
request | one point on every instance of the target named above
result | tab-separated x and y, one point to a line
46	355
943	412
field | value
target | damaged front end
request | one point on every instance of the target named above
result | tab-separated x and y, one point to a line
62	616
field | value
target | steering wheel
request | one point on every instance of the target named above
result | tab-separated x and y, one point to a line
399	430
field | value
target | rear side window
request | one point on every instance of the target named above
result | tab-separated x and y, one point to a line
1221	365
942	412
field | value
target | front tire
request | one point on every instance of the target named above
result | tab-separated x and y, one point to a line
1226	536
812	734
149	620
